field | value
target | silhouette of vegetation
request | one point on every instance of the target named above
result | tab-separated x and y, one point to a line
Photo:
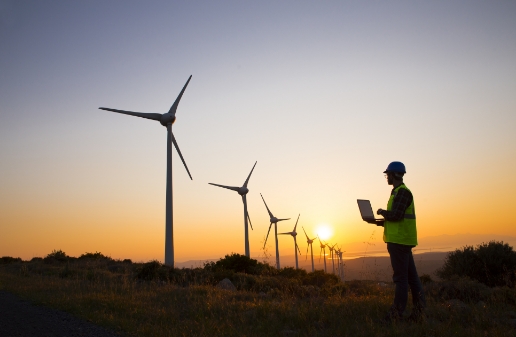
56	256
493	264
94	256
151	299
9	259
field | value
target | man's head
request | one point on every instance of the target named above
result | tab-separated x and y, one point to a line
394	173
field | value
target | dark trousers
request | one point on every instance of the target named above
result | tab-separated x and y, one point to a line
405	275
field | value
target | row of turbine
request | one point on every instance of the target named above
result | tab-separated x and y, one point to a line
167	119
243	190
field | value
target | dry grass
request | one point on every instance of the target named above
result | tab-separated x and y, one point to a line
111	296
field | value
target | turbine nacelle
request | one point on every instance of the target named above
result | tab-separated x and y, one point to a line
168	118
243	190
274	219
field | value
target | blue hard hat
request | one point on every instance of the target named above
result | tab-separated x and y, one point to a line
396	167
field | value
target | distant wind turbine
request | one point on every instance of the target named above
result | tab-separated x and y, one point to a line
310	241
323	250
294	234
340	265
243	192
166	120
331	255
274	221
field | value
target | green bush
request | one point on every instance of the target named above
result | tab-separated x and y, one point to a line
493	264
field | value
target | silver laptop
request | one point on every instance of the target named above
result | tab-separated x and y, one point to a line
366	210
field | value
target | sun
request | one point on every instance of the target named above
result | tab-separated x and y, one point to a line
324	231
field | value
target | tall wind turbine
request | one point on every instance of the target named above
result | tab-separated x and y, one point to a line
243	192
294	234
274	221
310	241
166	120
323	250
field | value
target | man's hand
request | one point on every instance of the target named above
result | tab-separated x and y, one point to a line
379	211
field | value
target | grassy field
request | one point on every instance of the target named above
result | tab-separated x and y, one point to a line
154	300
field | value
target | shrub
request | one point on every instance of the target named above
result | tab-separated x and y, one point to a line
236	262
152	270
9	260
461	288
291	272
94	256
425	278
319	278
493	264
56	256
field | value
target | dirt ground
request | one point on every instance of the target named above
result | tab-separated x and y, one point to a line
21	318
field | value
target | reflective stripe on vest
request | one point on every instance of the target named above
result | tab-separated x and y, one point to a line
404	231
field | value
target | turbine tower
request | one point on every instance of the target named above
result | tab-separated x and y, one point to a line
166	120
323	250
274	221
310	241
294	234
243	192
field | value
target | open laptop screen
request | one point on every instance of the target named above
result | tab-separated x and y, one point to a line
365	209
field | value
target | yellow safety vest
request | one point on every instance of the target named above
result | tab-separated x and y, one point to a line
404	231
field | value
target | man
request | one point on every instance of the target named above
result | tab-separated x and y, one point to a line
400	234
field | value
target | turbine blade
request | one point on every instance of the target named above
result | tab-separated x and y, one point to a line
290	233
244	200
299	250
306	253
268	210
267	235
224	186
296	222
283	219
173	108
249	176
179	151
248	218
155	117
305	233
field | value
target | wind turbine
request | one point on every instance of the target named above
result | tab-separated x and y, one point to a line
341	265
310	241
274	221
331	254
166	120
294	234
243	192
323	249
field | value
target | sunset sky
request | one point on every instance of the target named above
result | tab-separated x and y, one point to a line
322	94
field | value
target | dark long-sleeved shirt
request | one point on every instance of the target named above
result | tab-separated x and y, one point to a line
401	202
